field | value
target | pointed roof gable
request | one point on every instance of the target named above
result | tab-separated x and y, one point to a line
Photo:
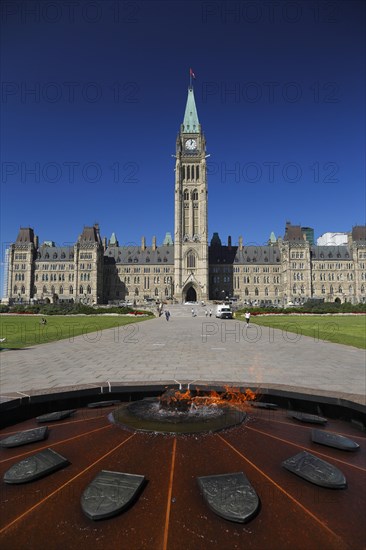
191	123
113	240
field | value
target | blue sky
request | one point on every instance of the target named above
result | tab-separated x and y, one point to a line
93	94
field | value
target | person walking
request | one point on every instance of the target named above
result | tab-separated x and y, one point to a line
167	315
210	313
247	317
206	313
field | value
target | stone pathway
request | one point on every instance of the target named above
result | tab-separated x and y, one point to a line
188	349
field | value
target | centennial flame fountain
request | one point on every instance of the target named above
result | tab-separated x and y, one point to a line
184	412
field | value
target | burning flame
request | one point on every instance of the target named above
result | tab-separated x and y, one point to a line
232	396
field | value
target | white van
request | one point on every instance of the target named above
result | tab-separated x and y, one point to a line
224	312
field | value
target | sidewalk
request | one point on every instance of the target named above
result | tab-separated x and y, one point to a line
188	349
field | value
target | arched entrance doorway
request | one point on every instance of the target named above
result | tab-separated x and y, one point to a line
191	295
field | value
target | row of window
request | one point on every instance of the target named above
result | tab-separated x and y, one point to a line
146	270
191	172
136	280
55	255
340	289
336	265
256	291
53	277
61	290
53	267
333	276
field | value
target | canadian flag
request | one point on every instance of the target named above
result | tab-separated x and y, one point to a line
191	73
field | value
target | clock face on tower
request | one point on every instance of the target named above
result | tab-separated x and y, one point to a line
191	144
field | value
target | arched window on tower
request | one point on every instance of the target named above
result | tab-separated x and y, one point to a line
195	195
186	195
188	173
183	172
197	172
191	260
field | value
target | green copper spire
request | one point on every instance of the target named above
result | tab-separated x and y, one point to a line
113	240
191	123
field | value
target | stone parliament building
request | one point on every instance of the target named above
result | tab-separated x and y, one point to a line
286	270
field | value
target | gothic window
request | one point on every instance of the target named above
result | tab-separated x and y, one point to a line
195	218
331	289
186	219
81	289
340	289
53	289
71	290
246	292
44	290
166	292
191	260
266	291
23	289
302	289
55	255
362	289
15	289
197	172
188	173
294	289
186	195
46	255
276	291
323	289
156	292
136	291
183	172
195	195
88	289
61	289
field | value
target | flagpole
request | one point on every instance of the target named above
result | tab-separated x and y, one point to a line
190	79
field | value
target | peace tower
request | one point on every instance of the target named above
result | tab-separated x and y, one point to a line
191	229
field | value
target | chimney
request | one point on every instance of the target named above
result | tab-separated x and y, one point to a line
240	242
154	243
143	243
229	242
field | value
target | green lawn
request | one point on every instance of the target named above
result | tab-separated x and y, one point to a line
342	329
26	330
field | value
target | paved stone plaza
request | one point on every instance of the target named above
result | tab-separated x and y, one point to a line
188	349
